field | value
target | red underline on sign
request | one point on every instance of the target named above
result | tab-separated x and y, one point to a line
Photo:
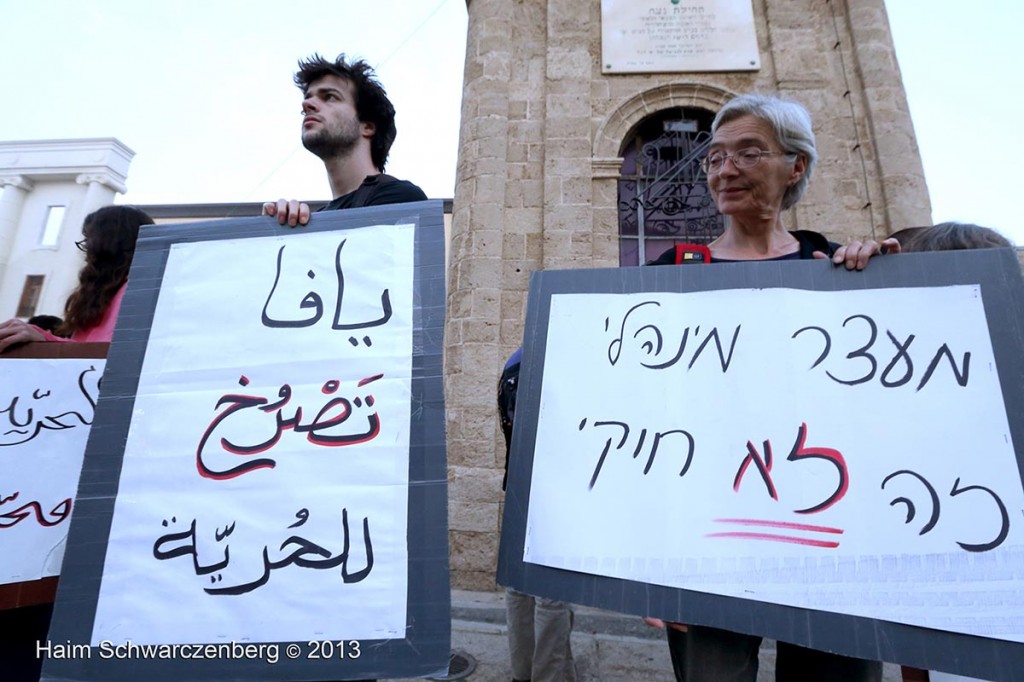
776	538
782	524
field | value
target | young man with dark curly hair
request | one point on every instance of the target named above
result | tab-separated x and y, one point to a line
349	123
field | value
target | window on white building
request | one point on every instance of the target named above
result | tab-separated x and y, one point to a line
51	230
30	296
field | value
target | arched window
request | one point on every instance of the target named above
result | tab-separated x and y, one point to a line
663	198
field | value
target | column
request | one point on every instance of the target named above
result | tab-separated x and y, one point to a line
101	190
15	189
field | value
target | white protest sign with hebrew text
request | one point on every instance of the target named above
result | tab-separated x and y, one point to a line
845	451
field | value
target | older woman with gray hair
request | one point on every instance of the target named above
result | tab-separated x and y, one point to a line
759	162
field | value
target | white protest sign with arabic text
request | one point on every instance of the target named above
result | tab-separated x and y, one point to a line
46	410
267	460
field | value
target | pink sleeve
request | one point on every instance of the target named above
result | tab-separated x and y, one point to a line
104	329
102	332
48	336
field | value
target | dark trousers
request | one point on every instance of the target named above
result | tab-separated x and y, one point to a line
711	655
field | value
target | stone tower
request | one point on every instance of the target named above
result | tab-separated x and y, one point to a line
547	125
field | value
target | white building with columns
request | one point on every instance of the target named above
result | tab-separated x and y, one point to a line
49	186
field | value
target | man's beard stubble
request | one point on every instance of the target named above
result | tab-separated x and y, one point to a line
328	144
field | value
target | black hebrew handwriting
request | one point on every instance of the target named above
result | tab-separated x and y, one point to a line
763	462
651	341
325	429
935	511
900	368
11	518
655	444
314	303
25	417
292	551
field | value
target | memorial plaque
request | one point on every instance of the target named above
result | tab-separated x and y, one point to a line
648	36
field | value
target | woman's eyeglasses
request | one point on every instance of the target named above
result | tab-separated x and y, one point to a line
744	158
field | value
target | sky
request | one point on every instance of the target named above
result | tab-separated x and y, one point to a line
201	90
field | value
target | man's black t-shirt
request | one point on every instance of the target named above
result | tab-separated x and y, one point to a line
377	190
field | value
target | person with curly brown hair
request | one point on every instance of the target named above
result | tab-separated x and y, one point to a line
108	240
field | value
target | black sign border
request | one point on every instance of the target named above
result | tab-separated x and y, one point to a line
426	646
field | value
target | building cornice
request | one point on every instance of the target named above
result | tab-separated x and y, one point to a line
56	160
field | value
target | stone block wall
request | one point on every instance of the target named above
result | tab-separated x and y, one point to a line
542	130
